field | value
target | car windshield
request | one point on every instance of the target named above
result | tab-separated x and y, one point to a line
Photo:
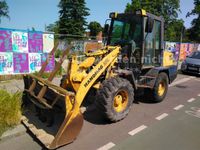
195	55
126	29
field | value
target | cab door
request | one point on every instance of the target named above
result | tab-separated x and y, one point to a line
152	45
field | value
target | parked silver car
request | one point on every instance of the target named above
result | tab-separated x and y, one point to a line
192	63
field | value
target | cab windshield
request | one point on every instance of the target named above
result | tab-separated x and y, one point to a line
126	29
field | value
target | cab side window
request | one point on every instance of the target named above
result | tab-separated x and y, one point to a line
152	44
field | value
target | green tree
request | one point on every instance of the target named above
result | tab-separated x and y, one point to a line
133	6
3	9
167	8
173	32
186	36
53	27
194	31
72	19
94	28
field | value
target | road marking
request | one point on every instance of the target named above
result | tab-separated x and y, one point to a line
191	100
195	112
181	81
107	146
161	116
137	130
199	95
178	107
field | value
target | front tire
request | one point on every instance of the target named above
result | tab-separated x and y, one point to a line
114	98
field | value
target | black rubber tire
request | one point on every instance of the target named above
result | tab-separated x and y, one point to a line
152	94
90	97
106	94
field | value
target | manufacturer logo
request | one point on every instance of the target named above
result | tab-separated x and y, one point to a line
93	76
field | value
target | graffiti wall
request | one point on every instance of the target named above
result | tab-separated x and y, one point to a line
24	51
81	46
170	54
175	52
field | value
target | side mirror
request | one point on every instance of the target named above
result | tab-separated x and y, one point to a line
106	29
149	25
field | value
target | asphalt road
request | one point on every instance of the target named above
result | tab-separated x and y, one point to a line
97	133
178	131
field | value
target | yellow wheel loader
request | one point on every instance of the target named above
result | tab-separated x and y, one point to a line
131	60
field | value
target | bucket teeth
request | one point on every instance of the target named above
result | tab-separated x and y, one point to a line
40	133
31	126
23	118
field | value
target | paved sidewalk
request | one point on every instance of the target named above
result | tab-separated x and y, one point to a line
14	132
12	86
18	85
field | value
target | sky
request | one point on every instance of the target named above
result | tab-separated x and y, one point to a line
25	14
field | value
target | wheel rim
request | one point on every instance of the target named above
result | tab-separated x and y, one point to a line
120	101
161	89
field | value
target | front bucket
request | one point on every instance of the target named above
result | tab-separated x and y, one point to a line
47	117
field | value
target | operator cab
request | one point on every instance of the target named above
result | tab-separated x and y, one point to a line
140	35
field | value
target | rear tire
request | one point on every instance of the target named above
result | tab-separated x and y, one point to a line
158	93
114	98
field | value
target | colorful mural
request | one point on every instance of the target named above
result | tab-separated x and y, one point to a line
20	63
177	51
34	62
170	56
6	63
51	64
24	51
174	52
20	42
5	41
78	46
35	42
48	42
